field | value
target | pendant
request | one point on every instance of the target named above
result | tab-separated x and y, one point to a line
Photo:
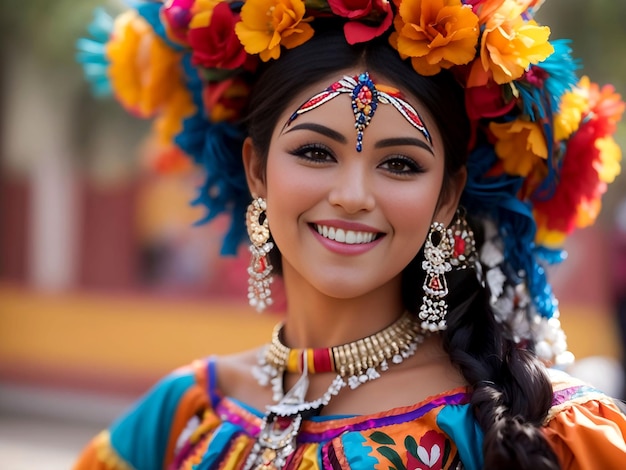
276	442
277	439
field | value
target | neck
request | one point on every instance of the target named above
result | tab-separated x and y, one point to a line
315	320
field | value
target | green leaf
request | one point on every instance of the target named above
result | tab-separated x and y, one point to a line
411	446
382	438
392	456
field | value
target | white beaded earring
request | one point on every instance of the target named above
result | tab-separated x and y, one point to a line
437	252
260	269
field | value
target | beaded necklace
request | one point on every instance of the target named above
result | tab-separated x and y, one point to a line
358	362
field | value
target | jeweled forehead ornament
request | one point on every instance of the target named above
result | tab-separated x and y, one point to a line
365	99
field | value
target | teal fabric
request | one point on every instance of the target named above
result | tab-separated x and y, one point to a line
458	422
140	437
220	442
357	454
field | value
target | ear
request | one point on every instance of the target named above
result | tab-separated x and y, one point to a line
255	169
449	200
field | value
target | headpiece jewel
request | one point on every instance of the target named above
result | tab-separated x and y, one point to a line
365	98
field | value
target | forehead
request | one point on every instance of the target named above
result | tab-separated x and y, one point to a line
342	98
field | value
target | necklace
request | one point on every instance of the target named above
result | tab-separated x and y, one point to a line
359	362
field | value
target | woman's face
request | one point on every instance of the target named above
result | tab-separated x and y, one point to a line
349	222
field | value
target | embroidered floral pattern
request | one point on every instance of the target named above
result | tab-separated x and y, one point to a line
434	451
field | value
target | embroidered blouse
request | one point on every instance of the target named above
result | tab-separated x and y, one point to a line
184	422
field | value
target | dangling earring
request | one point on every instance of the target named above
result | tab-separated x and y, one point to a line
437	252
445	249
464	250
260	269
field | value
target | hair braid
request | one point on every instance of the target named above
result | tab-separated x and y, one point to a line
511	390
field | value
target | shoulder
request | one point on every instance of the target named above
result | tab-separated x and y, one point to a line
584	426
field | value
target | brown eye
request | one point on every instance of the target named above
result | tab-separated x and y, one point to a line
317	154
314	153
401	166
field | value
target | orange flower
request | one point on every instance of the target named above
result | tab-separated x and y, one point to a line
435	34
267	24
604	102
520	144
509	45
145	71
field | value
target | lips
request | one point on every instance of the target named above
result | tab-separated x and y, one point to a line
347	236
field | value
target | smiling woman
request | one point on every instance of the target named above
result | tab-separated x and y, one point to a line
389	192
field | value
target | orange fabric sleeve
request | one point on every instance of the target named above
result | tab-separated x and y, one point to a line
589	436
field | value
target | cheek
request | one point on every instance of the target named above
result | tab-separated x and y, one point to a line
412	206
289	190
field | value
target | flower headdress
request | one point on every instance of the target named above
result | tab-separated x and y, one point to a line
542	150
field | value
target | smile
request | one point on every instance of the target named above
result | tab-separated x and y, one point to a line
349	237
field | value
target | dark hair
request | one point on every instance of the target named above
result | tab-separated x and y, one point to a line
511	393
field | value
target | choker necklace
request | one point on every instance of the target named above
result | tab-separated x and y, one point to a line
358	362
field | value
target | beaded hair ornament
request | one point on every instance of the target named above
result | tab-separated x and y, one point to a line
365	97
541	154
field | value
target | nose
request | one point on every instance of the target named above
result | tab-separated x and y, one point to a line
352	188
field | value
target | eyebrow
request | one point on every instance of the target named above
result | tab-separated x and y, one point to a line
337	136
320	129
403	141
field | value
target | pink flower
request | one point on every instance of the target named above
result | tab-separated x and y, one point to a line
217	45
377	13
176	16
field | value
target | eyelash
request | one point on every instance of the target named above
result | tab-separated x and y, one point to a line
412	167
303	150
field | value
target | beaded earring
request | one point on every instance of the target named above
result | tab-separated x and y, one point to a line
437	252
445	249
260	269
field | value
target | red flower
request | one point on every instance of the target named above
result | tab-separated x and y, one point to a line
486	101
377	13
579	182
217	45
225	100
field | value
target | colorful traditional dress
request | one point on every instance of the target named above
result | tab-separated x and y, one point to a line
184	422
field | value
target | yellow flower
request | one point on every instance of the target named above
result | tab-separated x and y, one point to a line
144	70
202	12
608	165
170	120
574	104
509	45
267	24
520	144
435	34
549	238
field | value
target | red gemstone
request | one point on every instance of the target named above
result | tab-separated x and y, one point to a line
434	283
459	246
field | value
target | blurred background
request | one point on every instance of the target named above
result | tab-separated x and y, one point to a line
105	285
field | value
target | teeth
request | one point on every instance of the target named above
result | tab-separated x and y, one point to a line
349	237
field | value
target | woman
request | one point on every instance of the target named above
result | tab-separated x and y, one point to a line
400	176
